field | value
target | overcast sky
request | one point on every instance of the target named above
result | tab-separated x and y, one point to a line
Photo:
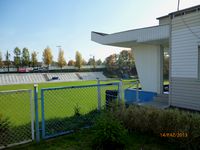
36	24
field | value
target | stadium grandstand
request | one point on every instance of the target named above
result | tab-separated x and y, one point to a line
25	78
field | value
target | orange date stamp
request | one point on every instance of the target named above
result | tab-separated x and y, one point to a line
174	134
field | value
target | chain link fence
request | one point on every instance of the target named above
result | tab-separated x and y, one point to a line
66	109
56	111
16	117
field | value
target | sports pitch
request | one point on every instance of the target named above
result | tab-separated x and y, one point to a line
57	103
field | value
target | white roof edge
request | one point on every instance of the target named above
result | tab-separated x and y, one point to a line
105	34
100	33
137	35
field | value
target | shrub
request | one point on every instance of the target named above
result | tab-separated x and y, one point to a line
154	121
109	133
136	118
194	131
77	110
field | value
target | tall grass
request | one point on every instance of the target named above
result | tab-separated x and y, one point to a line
178	126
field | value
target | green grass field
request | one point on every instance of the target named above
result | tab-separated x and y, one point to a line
57	103
45	85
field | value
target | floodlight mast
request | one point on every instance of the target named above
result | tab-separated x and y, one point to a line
59	47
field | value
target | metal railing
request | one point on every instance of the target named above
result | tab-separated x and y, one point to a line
133	84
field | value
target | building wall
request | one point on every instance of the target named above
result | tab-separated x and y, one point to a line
149	65
185	45
164	20
185	93
185	83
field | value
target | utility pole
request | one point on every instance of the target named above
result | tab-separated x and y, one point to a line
178	5
93	63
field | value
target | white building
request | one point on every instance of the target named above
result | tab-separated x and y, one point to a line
178	33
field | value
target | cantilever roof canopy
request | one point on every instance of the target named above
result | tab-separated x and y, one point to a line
150	35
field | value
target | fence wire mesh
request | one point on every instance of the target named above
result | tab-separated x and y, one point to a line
16	118
67	109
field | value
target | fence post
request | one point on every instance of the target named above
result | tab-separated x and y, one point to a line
36	113
120	89
137	90
32	115
42	108
99	94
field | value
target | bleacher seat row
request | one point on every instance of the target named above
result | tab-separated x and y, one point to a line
6	79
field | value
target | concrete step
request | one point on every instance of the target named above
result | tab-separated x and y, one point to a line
157	100
160	101
163	95
79	76
161	98
46	77
157	105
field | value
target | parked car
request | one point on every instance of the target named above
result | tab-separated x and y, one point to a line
21	70
40	69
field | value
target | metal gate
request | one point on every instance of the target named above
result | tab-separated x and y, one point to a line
66	109
16	117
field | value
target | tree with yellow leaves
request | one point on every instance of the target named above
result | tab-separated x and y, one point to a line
34	60
71	63
61	59
47	56
79	60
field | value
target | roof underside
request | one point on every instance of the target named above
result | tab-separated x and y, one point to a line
150	35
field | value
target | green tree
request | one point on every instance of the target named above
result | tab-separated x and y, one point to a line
92	62
166	66
78	62
61	59
1	60
47	56
125	61
99	62
111	65
7	61
84	63
17	57
54	63
111	62
71	63
25	57
34	60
